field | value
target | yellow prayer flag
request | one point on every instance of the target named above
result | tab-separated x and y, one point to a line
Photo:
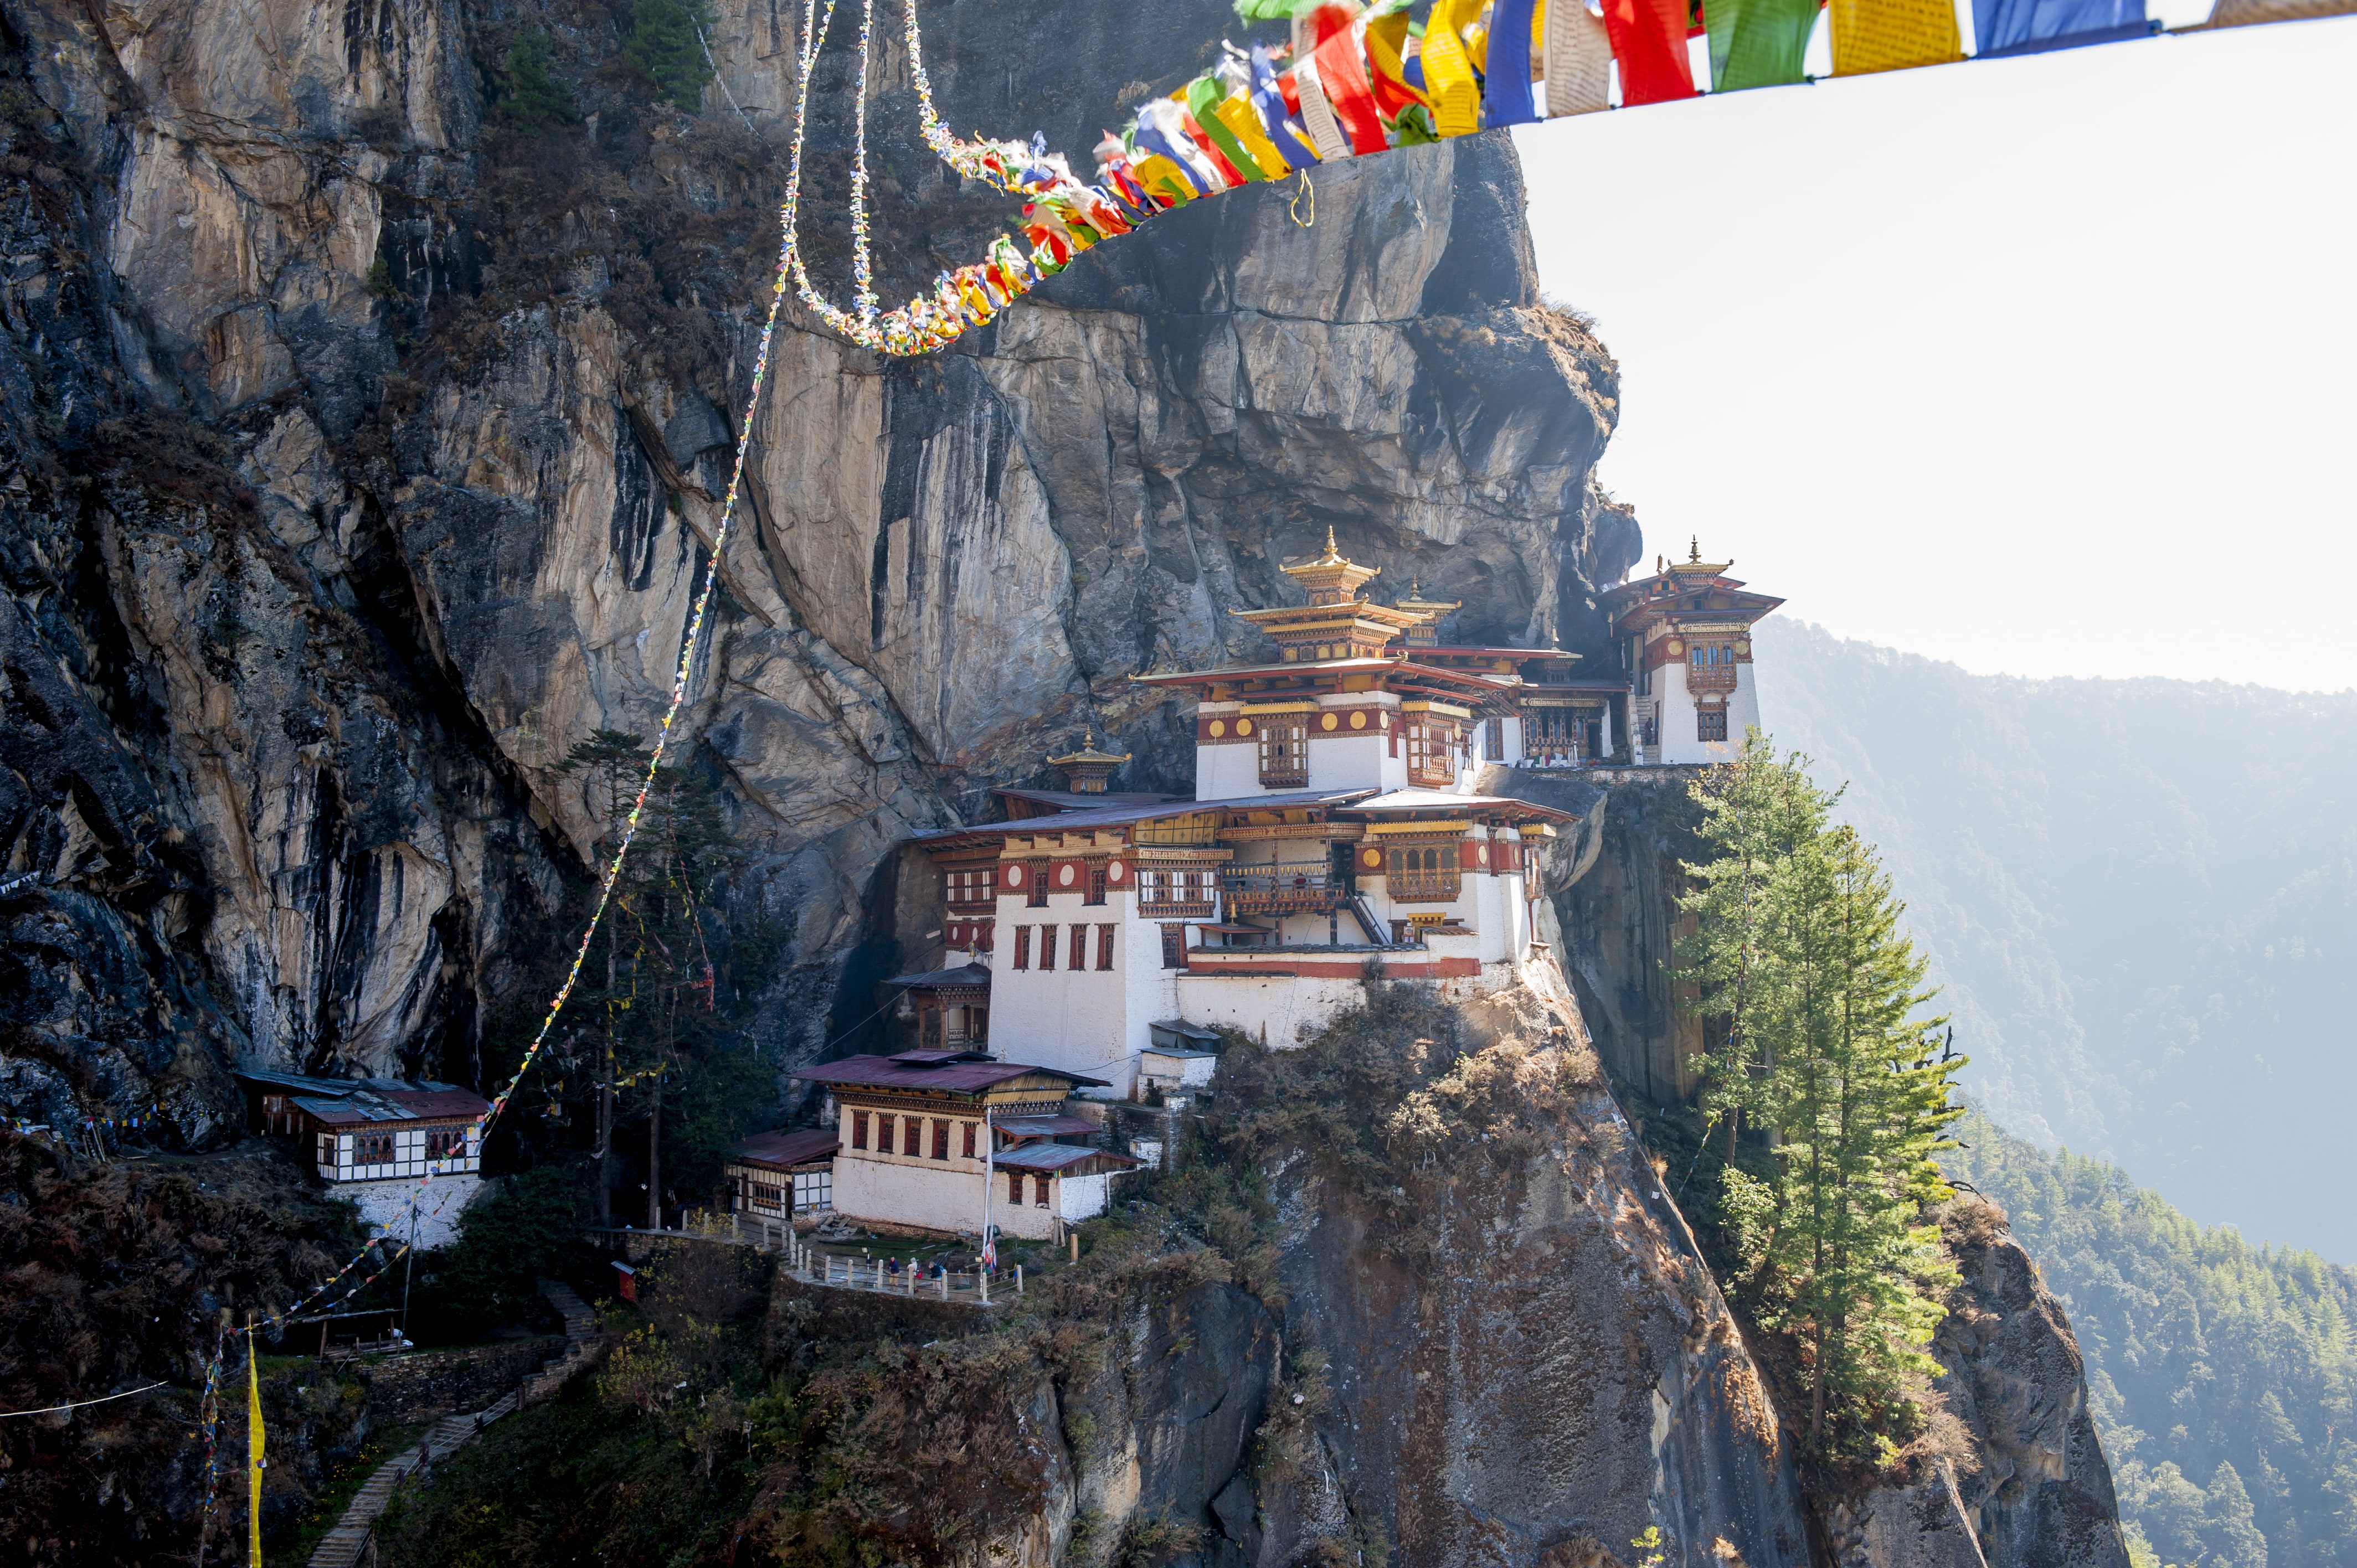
1448	72
253	1452
1238	117
1892	34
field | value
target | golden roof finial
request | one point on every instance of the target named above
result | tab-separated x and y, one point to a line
1331	553
1694	552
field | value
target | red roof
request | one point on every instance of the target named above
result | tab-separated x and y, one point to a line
949	1078
785	1149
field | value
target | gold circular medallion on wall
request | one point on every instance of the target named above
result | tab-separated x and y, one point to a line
1481	852
1359	720
1743	647
1243	726
1218	729
1329	722
1676	647
1372	859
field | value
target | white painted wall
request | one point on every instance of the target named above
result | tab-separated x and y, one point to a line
1093	1022
938	1195
408	1155
384	1205
1288	1008
1679	744
1083	1197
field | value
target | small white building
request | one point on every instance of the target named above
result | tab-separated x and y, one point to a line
374	1140
951	1141
1687	633
783	1175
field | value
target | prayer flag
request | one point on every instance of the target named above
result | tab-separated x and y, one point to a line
1269	100
1648	40
1506	86
1385	37
253	1451
1892	34
1449	69
2032	26
1244	125
1317	113
2242	12
1206	96
1758	43
1344	78
1578	60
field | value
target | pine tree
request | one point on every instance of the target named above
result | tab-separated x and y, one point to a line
535	101
1798	954
666	47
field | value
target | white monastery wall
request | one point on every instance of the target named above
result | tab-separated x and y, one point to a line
384	1205
1089	1021
1227	772
937	1194
1344	760
1282	1010
1083	1197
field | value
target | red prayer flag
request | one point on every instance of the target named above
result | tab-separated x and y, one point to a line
1648	40
1344	77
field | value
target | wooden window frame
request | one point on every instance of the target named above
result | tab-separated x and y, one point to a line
1023	947
941	1138
968	1126
1015	1187
374	1148
1036	884
1096	869
1282	738
1423	873
1078	959
1710	724
1174	947
1046	950
860	1129
913	1138
1105	947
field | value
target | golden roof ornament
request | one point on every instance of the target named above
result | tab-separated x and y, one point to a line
1331	578
1425	632
1694	565
1086	770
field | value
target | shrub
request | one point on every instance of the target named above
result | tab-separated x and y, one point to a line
664	49
535	102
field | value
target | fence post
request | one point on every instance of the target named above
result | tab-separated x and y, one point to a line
1018	1279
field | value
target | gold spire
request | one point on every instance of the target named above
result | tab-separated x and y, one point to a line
1425	632
1087	768
1694	565
1331	578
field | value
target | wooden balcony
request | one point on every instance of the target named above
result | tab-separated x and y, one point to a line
1287	887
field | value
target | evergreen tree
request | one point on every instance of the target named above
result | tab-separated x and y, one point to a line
535	101
666	47
1797	949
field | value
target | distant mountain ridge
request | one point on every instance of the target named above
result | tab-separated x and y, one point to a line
2140	898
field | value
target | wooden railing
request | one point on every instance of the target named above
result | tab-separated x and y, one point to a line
1287	884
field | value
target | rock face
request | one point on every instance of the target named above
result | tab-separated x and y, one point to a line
2024	1483
467	399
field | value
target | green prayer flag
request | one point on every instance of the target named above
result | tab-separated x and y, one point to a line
1205	94
1758	43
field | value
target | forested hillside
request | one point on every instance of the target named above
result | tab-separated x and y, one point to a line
2221	1373
2140	898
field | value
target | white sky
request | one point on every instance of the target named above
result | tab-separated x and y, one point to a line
2029	364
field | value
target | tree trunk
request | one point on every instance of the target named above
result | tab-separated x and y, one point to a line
654	1158
606	1103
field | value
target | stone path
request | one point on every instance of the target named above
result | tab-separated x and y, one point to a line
341	1547
583	1334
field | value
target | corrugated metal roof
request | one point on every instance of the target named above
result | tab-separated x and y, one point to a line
786	1148
1114	817
1045	1126
1434	799
1054	1157
952	1078
937	978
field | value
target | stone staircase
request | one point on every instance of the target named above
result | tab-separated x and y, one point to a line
341	1547
344	1546
584	1338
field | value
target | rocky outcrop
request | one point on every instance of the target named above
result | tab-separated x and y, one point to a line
465	400
2014	1476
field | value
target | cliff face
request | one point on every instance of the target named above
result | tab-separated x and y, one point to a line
367	458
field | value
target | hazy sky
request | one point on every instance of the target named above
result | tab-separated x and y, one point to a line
2039	365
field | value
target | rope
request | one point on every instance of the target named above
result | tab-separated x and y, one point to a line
1294	207
690	642
79	1404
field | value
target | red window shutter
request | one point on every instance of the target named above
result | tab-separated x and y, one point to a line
941	1138
969	1138
912	1134
1013	1186
1079	947
1105	947
1023	947
859	1130
1047	946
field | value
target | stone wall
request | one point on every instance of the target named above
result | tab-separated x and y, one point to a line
427	1385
